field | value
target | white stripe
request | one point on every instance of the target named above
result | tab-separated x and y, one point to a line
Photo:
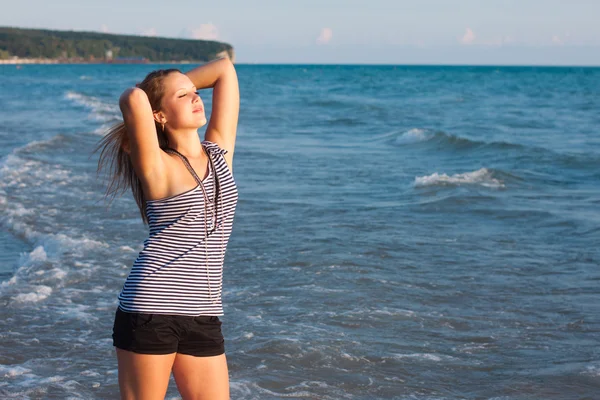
169	275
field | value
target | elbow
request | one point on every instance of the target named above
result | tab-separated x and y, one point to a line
131	97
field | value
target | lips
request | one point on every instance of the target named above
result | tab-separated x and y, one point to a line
198	110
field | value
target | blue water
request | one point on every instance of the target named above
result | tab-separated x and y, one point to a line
402	233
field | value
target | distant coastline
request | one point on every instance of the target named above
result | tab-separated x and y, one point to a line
21	61
41	46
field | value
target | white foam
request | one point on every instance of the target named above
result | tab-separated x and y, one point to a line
240	388
38	254
58	273
410	136
51	246
17	172
41	292
387	311
592	370
9	282
52	379
301	393
80	312
472	347
311	384
100	110
349	356
421	356
36	144
82	264
10	371
481	177
414	135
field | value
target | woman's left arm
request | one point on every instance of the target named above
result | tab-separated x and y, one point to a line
222	127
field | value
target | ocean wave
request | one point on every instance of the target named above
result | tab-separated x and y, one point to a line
103	129
12	371
481	177
592	370
421	356
440	138
37	145
39	293
414	135
27	188
100	110
441	141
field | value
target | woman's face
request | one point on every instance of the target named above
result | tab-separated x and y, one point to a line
181	106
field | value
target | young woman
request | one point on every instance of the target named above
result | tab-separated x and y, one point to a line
167	319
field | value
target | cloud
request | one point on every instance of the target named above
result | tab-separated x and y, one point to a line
148	32
325	36
557	40
468	37
203	32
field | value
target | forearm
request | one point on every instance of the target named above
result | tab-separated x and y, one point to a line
206	75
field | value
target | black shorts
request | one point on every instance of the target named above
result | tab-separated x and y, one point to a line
164	334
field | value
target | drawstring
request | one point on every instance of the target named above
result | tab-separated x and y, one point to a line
218	196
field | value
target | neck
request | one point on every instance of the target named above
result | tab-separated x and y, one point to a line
186	142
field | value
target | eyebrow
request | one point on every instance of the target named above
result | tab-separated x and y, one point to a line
193	87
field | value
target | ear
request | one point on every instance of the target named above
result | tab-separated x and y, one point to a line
159	117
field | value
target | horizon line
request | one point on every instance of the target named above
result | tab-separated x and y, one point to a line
330	64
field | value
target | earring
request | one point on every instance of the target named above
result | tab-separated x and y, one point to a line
163	126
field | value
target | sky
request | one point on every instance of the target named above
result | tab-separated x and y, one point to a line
474	32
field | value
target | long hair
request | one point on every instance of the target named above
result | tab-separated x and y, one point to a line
121	173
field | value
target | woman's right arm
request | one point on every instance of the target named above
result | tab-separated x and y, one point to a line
144	149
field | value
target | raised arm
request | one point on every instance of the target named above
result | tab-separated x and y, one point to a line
222	127
143	147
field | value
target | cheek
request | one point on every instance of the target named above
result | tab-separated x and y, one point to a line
175	111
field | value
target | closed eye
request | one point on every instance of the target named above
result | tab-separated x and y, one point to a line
185	94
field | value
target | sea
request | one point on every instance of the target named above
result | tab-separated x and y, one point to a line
402	232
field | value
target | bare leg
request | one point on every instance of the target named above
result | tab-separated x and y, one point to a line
202	378
144	376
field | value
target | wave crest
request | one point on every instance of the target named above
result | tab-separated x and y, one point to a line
482	177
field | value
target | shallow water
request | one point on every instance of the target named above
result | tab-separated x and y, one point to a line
402	232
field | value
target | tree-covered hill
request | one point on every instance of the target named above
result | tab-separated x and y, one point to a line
41	43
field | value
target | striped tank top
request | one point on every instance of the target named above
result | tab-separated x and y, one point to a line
180	268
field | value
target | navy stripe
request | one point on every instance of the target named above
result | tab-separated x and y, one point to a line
169	275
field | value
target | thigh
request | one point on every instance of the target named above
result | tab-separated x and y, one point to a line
144	376
201	378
